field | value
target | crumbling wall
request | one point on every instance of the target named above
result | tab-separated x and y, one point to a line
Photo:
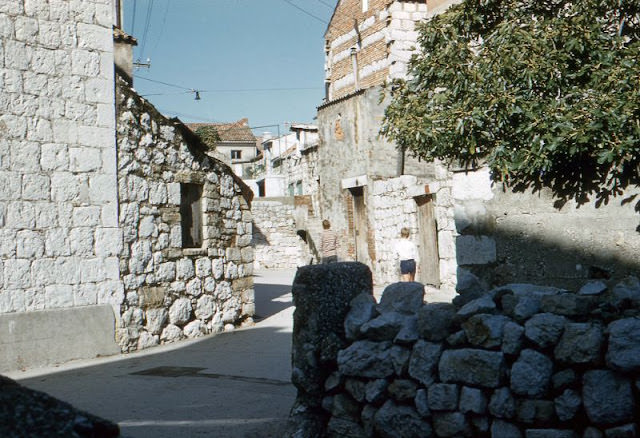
175	290
516	361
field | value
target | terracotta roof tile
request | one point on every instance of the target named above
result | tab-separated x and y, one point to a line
234	131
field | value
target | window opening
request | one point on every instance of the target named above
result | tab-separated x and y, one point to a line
236	154
191	215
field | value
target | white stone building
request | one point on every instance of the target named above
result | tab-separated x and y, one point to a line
68	201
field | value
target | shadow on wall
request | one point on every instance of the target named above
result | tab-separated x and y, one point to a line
259	238
517	257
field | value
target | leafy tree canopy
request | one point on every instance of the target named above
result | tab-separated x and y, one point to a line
544	92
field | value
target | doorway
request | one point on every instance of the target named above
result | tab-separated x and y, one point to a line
360	228
428	241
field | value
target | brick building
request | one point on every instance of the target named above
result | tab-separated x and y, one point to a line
463	223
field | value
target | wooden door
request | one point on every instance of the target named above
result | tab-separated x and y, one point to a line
429	270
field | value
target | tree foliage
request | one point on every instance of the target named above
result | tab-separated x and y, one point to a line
544	92
209	135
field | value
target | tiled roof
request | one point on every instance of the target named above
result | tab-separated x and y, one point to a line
120	35
235	131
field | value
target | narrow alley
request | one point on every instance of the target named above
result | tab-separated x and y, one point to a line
231	385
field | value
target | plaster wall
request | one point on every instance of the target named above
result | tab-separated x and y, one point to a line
59	237
504	236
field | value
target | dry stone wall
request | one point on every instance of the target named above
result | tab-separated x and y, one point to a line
174	292
515	361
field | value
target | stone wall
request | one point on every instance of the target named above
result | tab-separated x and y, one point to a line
276	243
516	361
58	196
174	290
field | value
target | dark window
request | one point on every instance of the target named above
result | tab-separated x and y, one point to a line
191	215
236	154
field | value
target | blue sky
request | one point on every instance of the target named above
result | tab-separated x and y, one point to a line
260	59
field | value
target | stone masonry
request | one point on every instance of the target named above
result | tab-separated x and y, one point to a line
174	291
516	361
58	193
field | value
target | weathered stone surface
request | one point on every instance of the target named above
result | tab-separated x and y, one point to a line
195	329
502	403
535	411
624	345
520	308
404	297
563	379
472	367
356	388
344	428
180	311
512	338
156	319
362	309
592	432
472	400
627	291
443	397
333	381
345	407
205	308
393	421
544	329
581	343
531	374
595	287
435	321
501	428
171	333
321	294
485	330
424	359
372	359
408	334
375	391
384	327
402	390
568	304
567	404
607	397
484	304
147	340
550	433
451	424
624	431
422	403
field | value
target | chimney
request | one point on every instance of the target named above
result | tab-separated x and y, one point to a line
123	53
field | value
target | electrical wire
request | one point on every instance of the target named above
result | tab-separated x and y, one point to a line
326	4
133	17
147	24
306	12
164	22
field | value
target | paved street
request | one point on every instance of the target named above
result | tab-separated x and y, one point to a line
231	385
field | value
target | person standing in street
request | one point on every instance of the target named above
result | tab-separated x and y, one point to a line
328	243
407	254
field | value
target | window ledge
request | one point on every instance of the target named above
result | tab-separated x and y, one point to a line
194	251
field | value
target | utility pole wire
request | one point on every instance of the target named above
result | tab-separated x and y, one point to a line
306	12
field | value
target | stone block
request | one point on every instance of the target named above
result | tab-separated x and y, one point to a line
472	367
607	397
475	250
624	345
581	343
531	374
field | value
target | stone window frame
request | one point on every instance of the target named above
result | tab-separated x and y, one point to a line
194	210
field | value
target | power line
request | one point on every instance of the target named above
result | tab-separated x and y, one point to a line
147	24
164	22
133	17
326	4
306	12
